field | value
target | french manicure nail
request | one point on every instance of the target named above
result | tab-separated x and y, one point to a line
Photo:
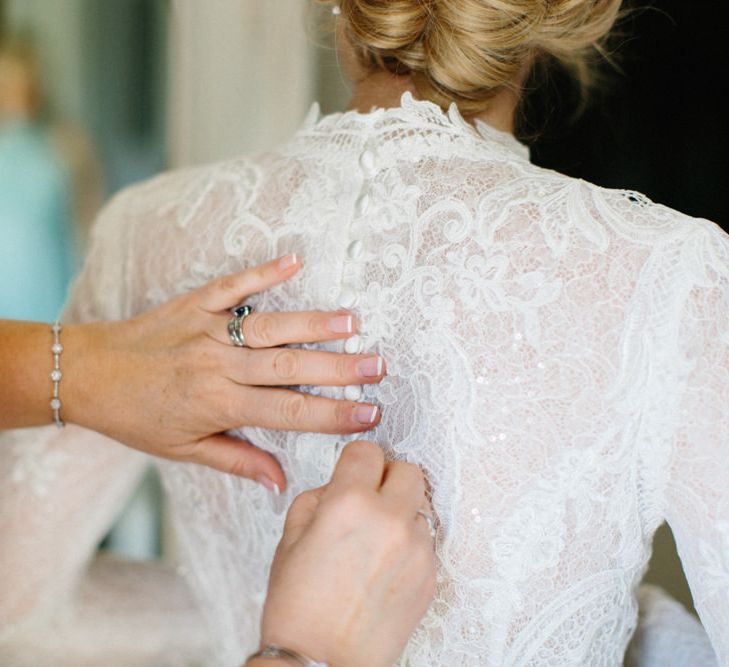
266	481
365	414
341	324
287	261
371	367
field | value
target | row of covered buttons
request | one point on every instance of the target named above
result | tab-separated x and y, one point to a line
348	296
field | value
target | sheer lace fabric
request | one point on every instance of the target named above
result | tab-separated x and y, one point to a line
557	362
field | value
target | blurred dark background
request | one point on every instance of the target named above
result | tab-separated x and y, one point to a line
661	125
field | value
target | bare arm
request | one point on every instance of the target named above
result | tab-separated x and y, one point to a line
25	364
170	383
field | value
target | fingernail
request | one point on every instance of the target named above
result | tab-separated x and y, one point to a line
263	480
365	414
287	261
371	367
341	324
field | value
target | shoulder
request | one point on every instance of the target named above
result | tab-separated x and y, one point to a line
162	236
182	206
178	198
630	232
624	215
686	266
698	248
634	216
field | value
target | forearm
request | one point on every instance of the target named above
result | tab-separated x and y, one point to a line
26	362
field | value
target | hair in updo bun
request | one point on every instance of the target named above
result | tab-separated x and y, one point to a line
466	51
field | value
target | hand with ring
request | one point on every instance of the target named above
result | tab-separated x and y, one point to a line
355	569
171	381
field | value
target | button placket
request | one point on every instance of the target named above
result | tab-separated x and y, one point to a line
353	256
352	271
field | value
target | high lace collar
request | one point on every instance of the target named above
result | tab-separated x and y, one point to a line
414	113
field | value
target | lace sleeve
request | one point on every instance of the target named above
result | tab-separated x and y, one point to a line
59	492
698	482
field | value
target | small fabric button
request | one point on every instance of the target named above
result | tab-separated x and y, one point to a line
362	205
347	298
352	392
354	249
353	345
367	161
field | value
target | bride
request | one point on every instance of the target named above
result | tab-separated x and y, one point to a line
557	352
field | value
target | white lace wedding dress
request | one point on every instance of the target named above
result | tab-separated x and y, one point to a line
558	363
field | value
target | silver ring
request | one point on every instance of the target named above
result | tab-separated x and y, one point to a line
429	520
235	325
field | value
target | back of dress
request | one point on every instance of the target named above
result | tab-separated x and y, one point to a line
552	352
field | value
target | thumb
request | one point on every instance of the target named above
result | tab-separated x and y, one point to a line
301	514
240	458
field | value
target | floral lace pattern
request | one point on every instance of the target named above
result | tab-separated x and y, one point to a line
557	362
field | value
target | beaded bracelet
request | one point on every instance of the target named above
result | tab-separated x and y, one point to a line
56	374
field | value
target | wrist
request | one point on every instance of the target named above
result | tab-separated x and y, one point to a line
86	360
26	361
286	654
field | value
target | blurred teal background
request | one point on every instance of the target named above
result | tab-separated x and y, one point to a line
36	241
94	122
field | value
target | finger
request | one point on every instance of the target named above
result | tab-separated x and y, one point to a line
273	329
403	487
284	366
287	410
262	329
301	514
229	291
362	463
238	457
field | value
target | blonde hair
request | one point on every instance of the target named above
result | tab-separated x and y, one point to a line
466	51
